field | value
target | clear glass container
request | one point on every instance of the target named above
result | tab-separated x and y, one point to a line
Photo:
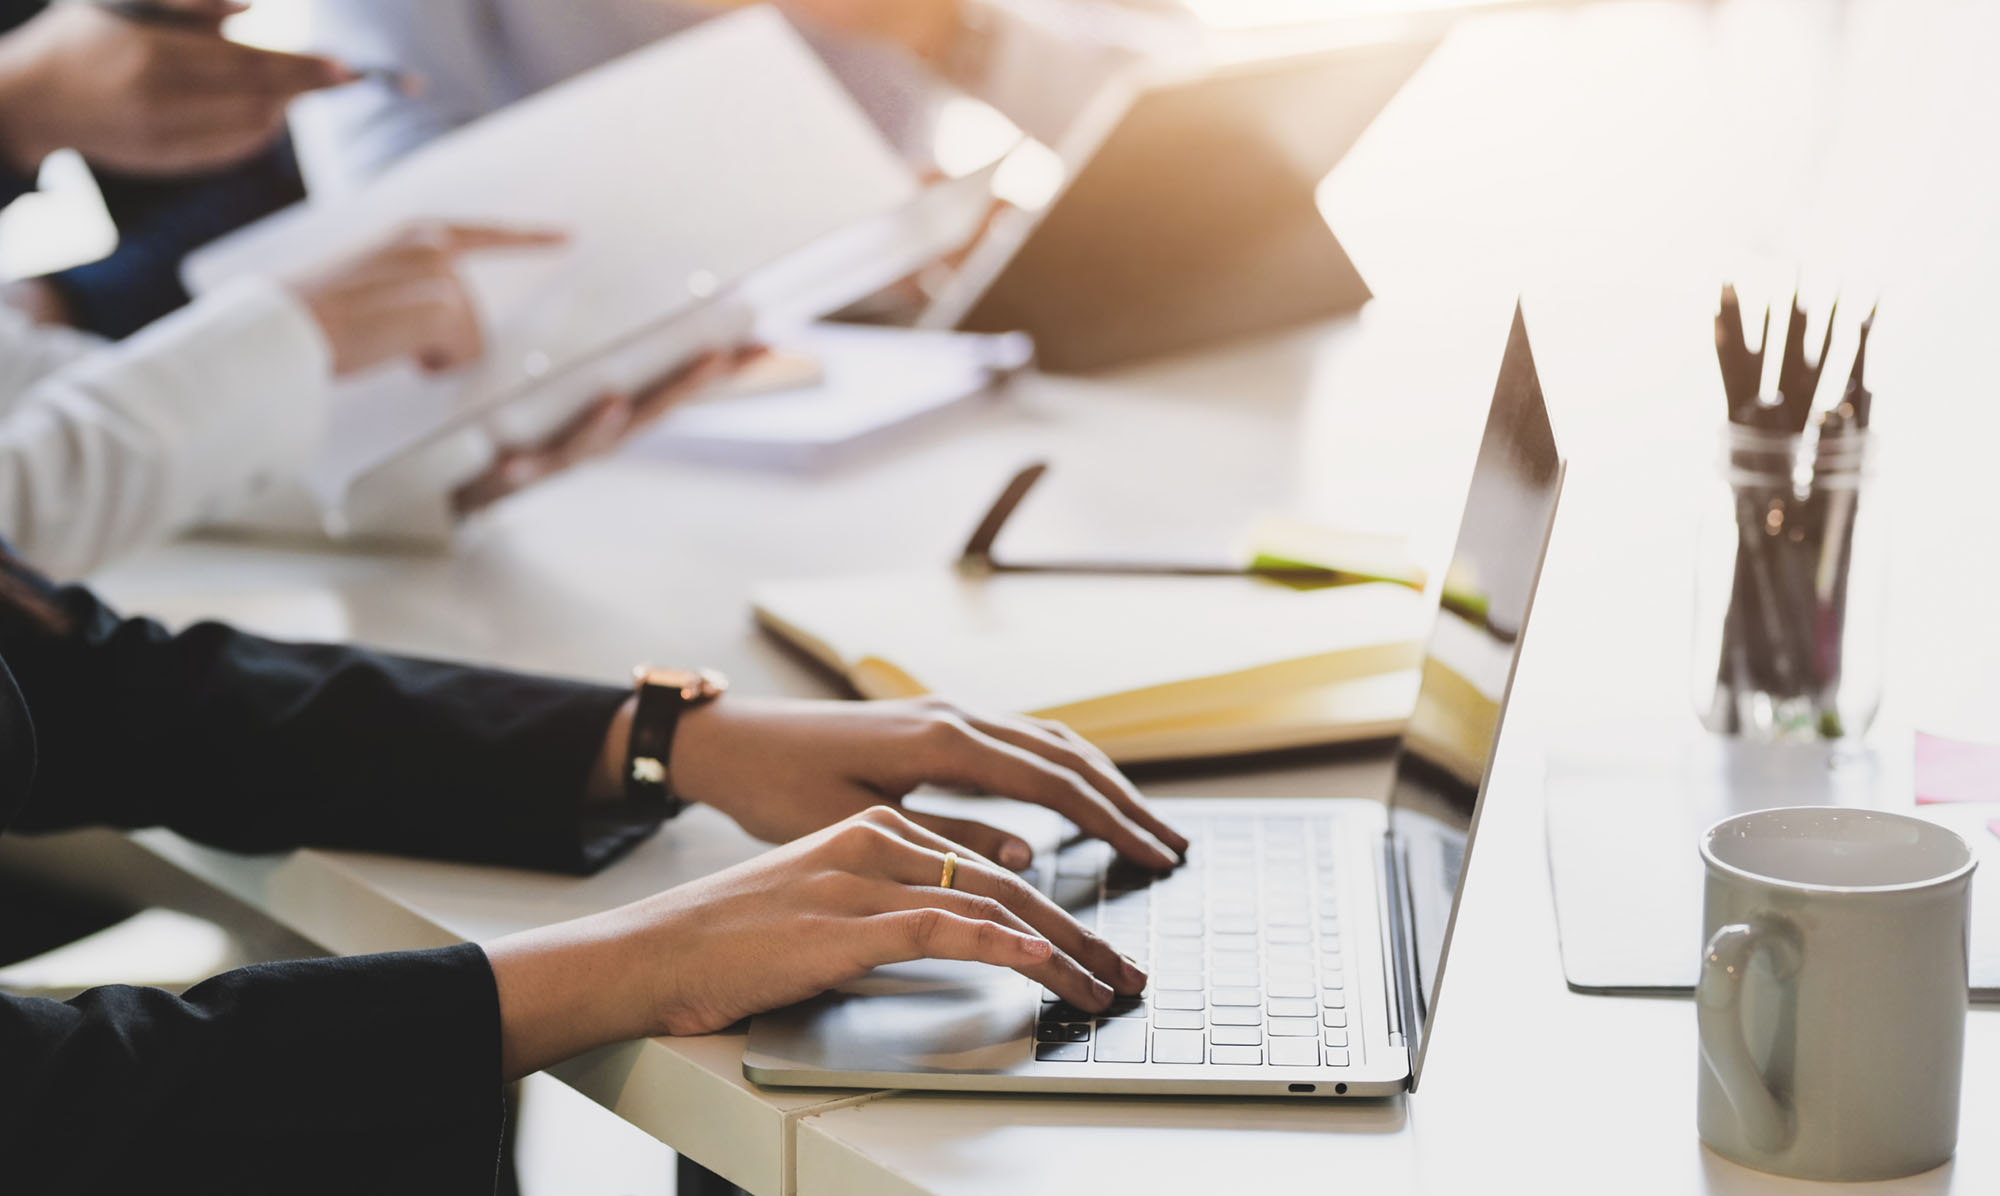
1791	586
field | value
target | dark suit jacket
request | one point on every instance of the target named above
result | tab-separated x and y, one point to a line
364	1074
160	221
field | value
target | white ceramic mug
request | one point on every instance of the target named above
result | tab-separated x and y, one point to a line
1833	991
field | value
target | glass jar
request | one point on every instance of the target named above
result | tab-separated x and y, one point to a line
1791	586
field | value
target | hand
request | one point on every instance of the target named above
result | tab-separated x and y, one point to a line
777	929
405	298
598	429
925	28
145	98
786	768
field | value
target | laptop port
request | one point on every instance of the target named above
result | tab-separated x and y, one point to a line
1303	1087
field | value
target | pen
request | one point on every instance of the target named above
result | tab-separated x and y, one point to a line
147	12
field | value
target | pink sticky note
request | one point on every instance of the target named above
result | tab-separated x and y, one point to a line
1952	770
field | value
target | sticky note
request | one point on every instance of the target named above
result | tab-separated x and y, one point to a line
1951	770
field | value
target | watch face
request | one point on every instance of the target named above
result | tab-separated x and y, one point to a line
696	685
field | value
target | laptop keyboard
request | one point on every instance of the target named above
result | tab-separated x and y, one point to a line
1242	943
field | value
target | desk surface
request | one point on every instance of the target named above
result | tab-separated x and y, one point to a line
1611	161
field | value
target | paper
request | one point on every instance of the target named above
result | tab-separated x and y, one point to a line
679	171
870	383
1951	770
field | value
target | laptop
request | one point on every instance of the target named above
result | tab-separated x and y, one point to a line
1301	948
1188	215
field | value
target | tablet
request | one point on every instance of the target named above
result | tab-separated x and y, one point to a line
1188	215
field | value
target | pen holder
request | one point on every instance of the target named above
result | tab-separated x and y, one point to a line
1790	586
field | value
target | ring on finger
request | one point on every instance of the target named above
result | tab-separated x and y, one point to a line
950	870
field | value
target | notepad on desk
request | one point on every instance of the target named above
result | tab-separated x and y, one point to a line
1148	668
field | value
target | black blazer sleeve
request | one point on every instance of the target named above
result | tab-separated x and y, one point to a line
363	1074
253	745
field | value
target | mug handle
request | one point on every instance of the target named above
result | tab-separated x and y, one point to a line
1767	1121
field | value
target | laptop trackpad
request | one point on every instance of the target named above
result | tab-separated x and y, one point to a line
925	1016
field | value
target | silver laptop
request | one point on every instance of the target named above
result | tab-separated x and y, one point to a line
1301	948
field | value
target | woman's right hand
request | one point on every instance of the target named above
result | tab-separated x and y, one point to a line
404	297
782	927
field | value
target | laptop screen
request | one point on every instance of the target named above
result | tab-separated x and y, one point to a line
1448	748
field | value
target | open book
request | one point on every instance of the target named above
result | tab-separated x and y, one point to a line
1148	668
712	184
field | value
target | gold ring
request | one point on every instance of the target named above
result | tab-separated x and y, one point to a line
950	870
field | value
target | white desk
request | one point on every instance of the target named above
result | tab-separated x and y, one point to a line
1600	158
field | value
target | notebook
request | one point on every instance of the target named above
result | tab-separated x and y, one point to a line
1148	668
704	180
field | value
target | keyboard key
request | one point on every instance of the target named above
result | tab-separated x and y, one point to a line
1236	978
1179	982
1238	1015
1177	1046
1063	1011
1288	917
1294	1052
1233	961
1121	1041
1293	1007
1244	943
1228	924
1336	1038
1336	1058
1087	858
1235	996
1074	893
1334	1017
1177	1000
1333	998
1236	1036
1062	1032
1287	934
1125	1007
1292	1027
1291	987
1241	1055
1063	1052
1184	1019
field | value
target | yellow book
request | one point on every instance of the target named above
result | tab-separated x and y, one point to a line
1148	668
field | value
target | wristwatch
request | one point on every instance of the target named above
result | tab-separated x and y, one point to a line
663	695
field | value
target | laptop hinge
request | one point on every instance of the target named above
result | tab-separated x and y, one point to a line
1396	931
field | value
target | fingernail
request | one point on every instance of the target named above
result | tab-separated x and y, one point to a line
1133	972
1035	948
1015	854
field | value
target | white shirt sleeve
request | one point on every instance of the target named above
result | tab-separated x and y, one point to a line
135	441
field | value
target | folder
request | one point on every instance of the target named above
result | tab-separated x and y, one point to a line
1148	668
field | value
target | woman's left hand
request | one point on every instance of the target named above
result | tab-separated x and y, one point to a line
784	768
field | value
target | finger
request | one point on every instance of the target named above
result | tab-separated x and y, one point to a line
683	384
235	67
595	431
1009	851
1048	919
1059	972
933	933
958	753
471	238
1057	743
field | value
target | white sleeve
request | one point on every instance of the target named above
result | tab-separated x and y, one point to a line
1041	61
348	135
30	352
136	441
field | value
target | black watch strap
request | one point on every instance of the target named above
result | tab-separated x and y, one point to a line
662	698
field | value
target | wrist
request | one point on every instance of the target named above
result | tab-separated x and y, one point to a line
607	776
568	988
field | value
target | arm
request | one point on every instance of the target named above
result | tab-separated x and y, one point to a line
129	444
253	745
367	1066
